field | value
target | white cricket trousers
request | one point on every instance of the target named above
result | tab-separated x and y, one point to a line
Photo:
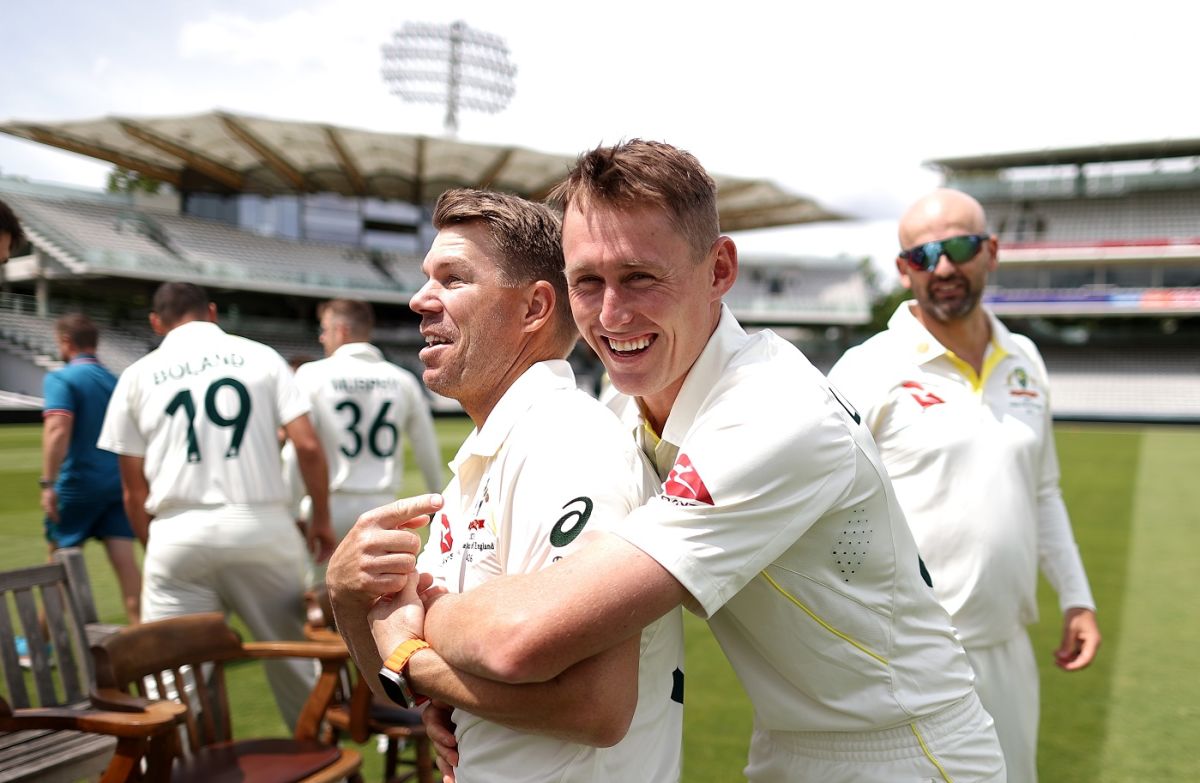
1006	678
245	559
956	744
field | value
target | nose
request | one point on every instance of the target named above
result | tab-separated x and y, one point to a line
423	301
614	310
945	267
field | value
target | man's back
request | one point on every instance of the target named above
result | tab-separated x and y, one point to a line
203	409
82	390
361	406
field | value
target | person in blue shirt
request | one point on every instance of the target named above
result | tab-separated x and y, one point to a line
81	484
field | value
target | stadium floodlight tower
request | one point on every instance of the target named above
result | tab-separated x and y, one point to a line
451	64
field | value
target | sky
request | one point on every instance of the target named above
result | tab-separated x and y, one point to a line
838	101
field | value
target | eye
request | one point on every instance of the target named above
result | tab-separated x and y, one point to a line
585	281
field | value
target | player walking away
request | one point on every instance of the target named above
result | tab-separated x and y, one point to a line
361	405
81	486
194	424
960	409
776	521
545	464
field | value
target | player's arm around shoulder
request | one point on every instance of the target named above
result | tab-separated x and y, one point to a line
596	590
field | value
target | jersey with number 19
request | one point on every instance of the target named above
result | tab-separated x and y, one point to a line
203	409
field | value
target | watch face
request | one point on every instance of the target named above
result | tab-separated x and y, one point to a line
396	688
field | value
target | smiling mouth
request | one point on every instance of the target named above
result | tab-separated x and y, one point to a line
629	347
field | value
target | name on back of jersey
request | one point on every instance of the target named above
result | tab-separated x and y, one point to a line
363	384
197	366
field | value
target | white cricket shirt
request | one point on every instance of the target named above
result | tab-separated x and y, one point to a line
549	463
776	515
203	410
975	468
360	406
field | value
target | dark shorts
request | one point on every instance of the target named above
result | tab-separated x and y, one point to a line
79	520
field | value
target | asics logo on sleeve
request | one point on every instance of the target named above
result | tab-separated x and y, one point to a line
684	483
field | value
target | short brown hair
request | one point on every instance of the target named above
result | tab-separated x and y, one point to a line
639	173
79	330
174	301
11	226
528	236
357	316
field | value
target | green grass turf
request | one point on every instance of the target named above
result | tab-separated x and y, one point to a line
1135	503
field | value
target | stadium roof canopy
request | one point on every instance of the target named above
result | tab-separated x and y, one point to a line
1102	153
220	152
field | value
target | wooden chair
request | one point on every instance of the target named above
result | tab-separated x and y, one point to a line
170	653
362	715
48	732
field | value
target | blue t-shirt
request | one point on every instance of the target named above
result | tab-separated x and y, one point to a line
82	389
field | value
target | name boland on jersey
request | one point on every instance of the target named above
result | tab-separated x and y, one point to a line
550	464
203	410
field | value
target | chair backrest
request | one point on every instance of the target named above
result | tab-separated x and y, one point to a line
47	606
181	658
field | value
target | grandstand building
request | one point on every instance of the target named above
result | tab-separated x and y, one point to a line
272	217
1100	265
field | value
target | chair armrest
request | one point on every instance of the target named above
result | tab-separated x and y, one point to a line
114	700
158	718
332	650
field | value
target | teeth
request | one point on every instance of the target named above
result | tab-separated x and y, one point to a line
629	345
431	340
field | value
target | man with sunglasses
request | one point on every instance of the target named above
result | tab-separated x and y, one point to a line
977	482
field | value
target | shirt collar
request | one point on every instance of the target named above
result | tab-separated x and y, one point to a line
192	330
539	379
924	346
359	351
84	358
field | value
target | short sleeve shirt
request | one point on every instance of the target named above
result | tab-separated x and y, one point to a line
973	462
81	390
549	464
361	405
775	513
203	410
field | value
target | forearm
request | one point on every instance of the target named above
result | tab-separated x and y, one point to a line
1058	554
350	617
532	627
135	489
590	703
56	438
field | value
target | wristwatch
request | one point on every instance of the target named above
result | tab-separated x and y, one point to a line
45	483
393	676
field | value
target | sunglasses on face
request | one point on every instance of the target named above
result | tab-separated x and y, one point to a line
959	250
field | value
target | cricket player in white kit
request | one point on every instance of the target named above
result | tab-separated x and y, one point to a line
361	405
194	424
775	521
960	409
545	466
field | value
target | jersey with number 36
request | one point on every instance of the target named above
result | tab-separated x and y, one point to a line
203	410
361	405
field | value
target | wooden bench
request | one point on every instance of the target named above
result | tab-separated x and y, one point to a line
52	606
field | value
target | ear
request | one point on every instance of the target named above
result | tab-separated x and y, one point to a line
212	312
903	269
540	299
157	325
725	266
993	245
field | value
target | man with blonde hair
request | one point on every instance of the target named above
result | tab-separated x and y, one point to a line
774	520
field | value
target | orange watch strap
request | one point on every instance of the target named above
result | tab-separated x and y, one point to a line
399	657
